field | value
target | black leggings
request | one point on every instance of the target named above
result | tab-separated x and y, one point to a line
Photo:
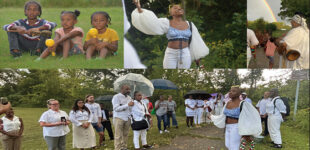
189	120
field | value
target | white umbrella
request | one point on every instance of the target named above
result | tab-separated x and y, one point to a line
137	82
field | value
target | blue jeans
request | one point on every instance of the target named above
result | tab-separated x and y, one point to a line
174	119
159	119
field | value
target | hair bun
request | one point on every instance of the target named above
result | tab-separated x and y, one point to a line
77	12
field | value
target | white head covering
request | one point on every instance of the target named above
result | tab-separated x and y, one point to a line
300	20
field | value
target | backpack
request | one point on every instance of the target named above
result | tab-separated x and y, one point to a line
287	105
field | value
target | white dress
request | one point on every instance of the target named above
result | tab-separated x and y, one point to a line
298	39
148	23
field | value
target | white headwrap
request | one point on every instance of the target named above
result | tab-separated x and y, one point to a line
300	20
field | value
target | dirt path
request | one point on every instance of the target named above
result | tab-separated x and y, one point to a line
208	137
262	61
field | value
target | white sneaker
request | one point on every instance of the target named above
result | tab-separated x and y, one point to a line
160	132
166	131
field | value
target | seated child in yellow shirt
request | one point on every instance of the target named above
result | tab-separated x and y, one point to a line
106	42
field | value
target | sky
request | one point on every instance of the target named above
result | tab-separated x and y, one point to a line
269	75
258	8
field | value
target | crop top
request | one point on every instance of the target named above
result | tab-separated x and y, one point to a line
175	34
233	113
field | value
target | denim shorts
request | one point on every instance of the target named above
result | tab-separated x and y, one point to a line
97	128
271	59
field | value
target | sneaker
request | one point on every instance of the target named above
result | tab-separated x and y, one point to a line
277	146
166	131
160	132
147	146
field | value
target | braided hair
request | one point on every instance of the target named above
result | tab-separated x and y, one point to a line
75	14
35	3
105	14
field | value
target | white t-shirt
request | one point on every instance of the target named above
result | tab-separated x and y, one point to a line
191	103
251	38
95	109
210	104
138	111
77	116
200	103
51	116
262	105
280	107
11	125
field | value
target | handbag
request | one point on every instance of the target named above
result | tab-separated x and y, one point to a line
139	125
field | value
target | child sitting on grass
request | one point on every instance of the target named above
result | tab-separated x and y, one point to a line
29	35
68	39
106	42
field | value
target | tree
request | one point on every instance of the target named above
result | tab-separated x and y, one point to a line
290	7
252	78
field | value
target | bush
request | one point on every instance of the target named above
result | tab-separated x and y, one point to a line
302	120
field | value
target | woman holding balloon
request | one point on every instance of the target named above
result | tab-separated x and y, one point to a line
101	38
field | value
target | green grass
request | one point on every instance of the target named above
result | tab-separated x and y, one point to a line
63	3
33	136
293	138
53	14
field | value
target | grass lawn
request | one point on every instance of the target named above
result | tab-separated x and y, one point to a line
78	61
33	139
33	135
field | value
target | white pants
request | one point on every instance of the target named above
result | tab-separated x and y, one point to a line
136	135
218	110
172	59
232	137
198	116
274	123
248	56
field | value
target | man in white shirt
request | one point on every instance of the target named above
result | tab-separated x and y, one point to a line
276	110
245	98
251	42
121	115
261	107
95	109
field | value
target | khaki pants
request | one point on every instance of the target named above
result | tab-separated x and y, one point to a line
121	133
11	143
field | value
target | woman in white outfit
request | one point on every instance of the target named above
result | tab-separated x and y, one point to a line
240	119
190	111
298	39
185	43
208	107
139	112
275	110
83	133
199	111
218	104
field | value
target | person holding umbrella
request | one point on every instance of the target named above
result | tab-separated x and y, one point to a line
121	114
190	104
161	107
199	111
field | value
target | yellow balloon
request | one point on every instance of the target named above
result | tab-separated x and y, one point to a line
49	42
93	32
